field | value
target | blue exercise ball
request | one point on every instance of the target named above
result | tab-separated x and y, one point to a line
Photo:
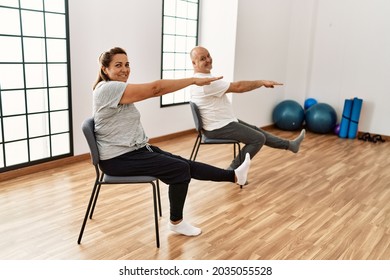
309	102
320	118
288	115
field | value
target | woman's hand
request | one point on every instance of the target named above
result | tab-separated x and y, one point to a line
271	84
206	81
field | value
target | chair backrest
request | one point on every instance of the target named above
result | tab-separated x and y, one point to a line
88	128
196	115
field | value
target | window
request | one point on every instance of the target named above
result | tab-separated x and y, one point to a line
35	100
179	36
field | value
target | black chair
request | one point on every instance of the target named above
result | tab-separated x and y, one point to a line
88	128
201	139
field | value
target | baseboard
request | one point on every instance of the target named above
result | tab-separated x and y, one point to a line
42	167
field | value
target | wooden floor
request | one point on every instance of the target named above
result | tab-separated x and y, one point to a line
329	201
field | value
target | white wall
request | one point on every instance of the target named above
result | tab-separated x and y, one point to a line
135	25
261	53
326	49
300	46
217	32
351	57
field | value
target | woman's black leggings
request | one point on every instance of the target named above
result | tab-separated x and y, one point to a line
173	170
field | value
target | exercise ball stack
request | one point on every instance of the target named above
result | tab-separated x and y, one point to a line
288	115
321	118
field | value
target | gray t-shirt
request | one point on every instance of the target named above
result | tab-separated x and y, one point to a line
118	128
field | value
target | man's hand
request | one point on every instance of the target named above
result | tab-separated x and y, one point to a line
206	81
271	84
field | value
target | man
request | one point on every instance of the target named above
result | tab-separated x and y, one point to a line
217	114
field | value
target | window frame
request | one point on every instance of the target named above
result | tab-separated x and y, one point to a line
175	71
53	137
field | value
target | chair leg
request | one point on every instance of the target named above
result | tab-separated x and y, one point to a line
239	152
91	199
238	147
159	198
94	201
195	149
155	214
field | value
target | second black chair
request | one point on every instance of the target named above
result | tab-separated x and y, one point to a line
201	139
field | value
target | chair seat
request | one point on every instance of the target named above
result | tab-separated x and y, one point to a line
206	140
127	179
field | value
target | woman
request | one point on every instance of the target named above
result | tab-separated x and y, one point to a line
123	145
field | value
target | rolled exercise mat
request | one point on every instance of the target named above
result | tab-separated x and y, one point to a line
355	115
346	117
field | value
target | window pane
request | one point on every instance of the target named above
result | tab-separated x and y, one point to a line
169	61
55	25
191	28
15	128
187	94
181	9
16	152
192	11
179	97
34	50
56	50
180	74
180	61
38	125
59	122
60	144
191	43
180	44
188	63
31	4
181	26
13	102
10	3
32	23
189	73
55	6
167	99
169	7
58	75
11	76
37	100
35	75
58	98
9	21
10	49
169	25
39	148
1	156
169	43
168	74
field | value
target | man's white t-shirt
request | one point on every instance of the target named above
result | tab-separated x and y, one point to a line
214	106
